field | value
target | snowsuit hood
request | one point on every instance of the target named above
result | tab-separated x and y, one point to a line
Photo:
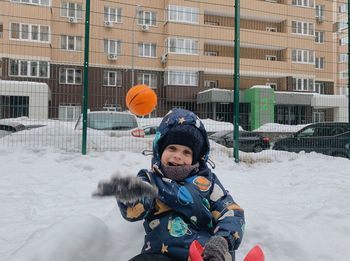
182	123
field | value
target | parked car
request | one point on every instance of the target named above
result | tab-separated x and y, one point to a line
10	127
248	141
329	138
120	123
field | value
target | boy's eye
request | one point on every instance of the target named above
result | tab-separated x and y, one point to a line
187	152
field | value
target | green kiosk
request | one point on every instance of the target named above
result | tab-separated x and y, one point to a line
262	100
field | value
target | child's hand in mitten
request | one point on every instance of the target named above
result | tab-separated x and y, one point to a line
216	249
127	189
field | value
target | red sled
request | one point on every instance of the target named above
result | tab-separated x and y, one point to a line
196	250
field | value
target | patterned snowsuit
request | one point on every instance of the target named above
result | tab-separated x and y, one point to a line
196	208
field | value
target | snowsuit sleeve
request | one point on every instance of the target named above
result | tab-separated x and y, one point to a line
228	216
139	209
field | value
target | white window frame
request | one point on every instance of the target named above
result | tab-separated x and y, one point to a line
343	74
270	57
33	2
304	3
319	37
147	50
211	84
343	41
65	43
318	116
183	14
64	108
77	75
150	79
183	46
343	57
112	78
343	8
108	45
303	56
319	10
319	87
273	85
271	29
181	78
319	62
303	28
71	10
112	14
304	84
33	32
146	18
29	68
211	53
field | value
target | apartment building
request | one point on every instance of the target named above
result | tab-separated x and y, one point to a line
182	49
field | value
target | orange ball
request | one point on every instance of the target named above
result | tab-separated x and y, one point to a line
141	100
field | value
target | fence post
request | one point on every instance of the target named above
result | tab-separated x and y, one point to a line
86	76
236	82
348	84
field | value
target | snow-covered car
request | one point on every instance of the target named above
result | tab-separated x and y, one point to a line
118	123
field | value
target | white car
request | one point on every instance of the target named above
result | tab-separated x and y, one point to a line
119	123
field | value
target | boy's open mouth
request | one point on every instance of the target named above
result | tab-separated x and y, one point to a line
173	164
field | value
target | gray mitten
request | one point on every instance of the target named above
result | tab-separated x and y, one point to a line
127	189
216	249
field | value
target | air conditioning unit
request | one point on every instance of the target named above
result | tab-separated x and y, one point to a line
319	19
112	56
72	20
145	28
108	23
164	58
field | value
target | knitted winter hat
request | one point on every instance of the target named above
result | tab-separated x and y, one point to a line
186	135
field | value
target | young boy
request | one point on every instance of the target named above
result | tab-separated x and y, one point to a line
185	201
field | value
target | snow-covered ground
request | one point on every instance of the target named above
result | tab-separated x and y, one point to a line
296	205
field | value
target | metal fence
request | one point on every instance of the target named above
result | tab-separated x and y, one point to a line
293	59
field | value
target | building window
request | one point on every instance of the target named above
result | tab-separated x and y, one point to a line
112	78
71	43
147	50
112	14
319	87
150	79
303	28
270	57
26	68
73	10
319	37
112	46
343	57
342	25
30	32
343	41
182	46
147	18
273	85
211	84
303	84
70	76
69	112
343	8
1	30
319	62
343	74
304	3
318	116
181	78
33	2
303	56
183	14
211	53
319	12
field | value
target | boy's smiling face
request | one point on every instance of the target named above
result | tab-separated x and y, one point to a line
176	155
